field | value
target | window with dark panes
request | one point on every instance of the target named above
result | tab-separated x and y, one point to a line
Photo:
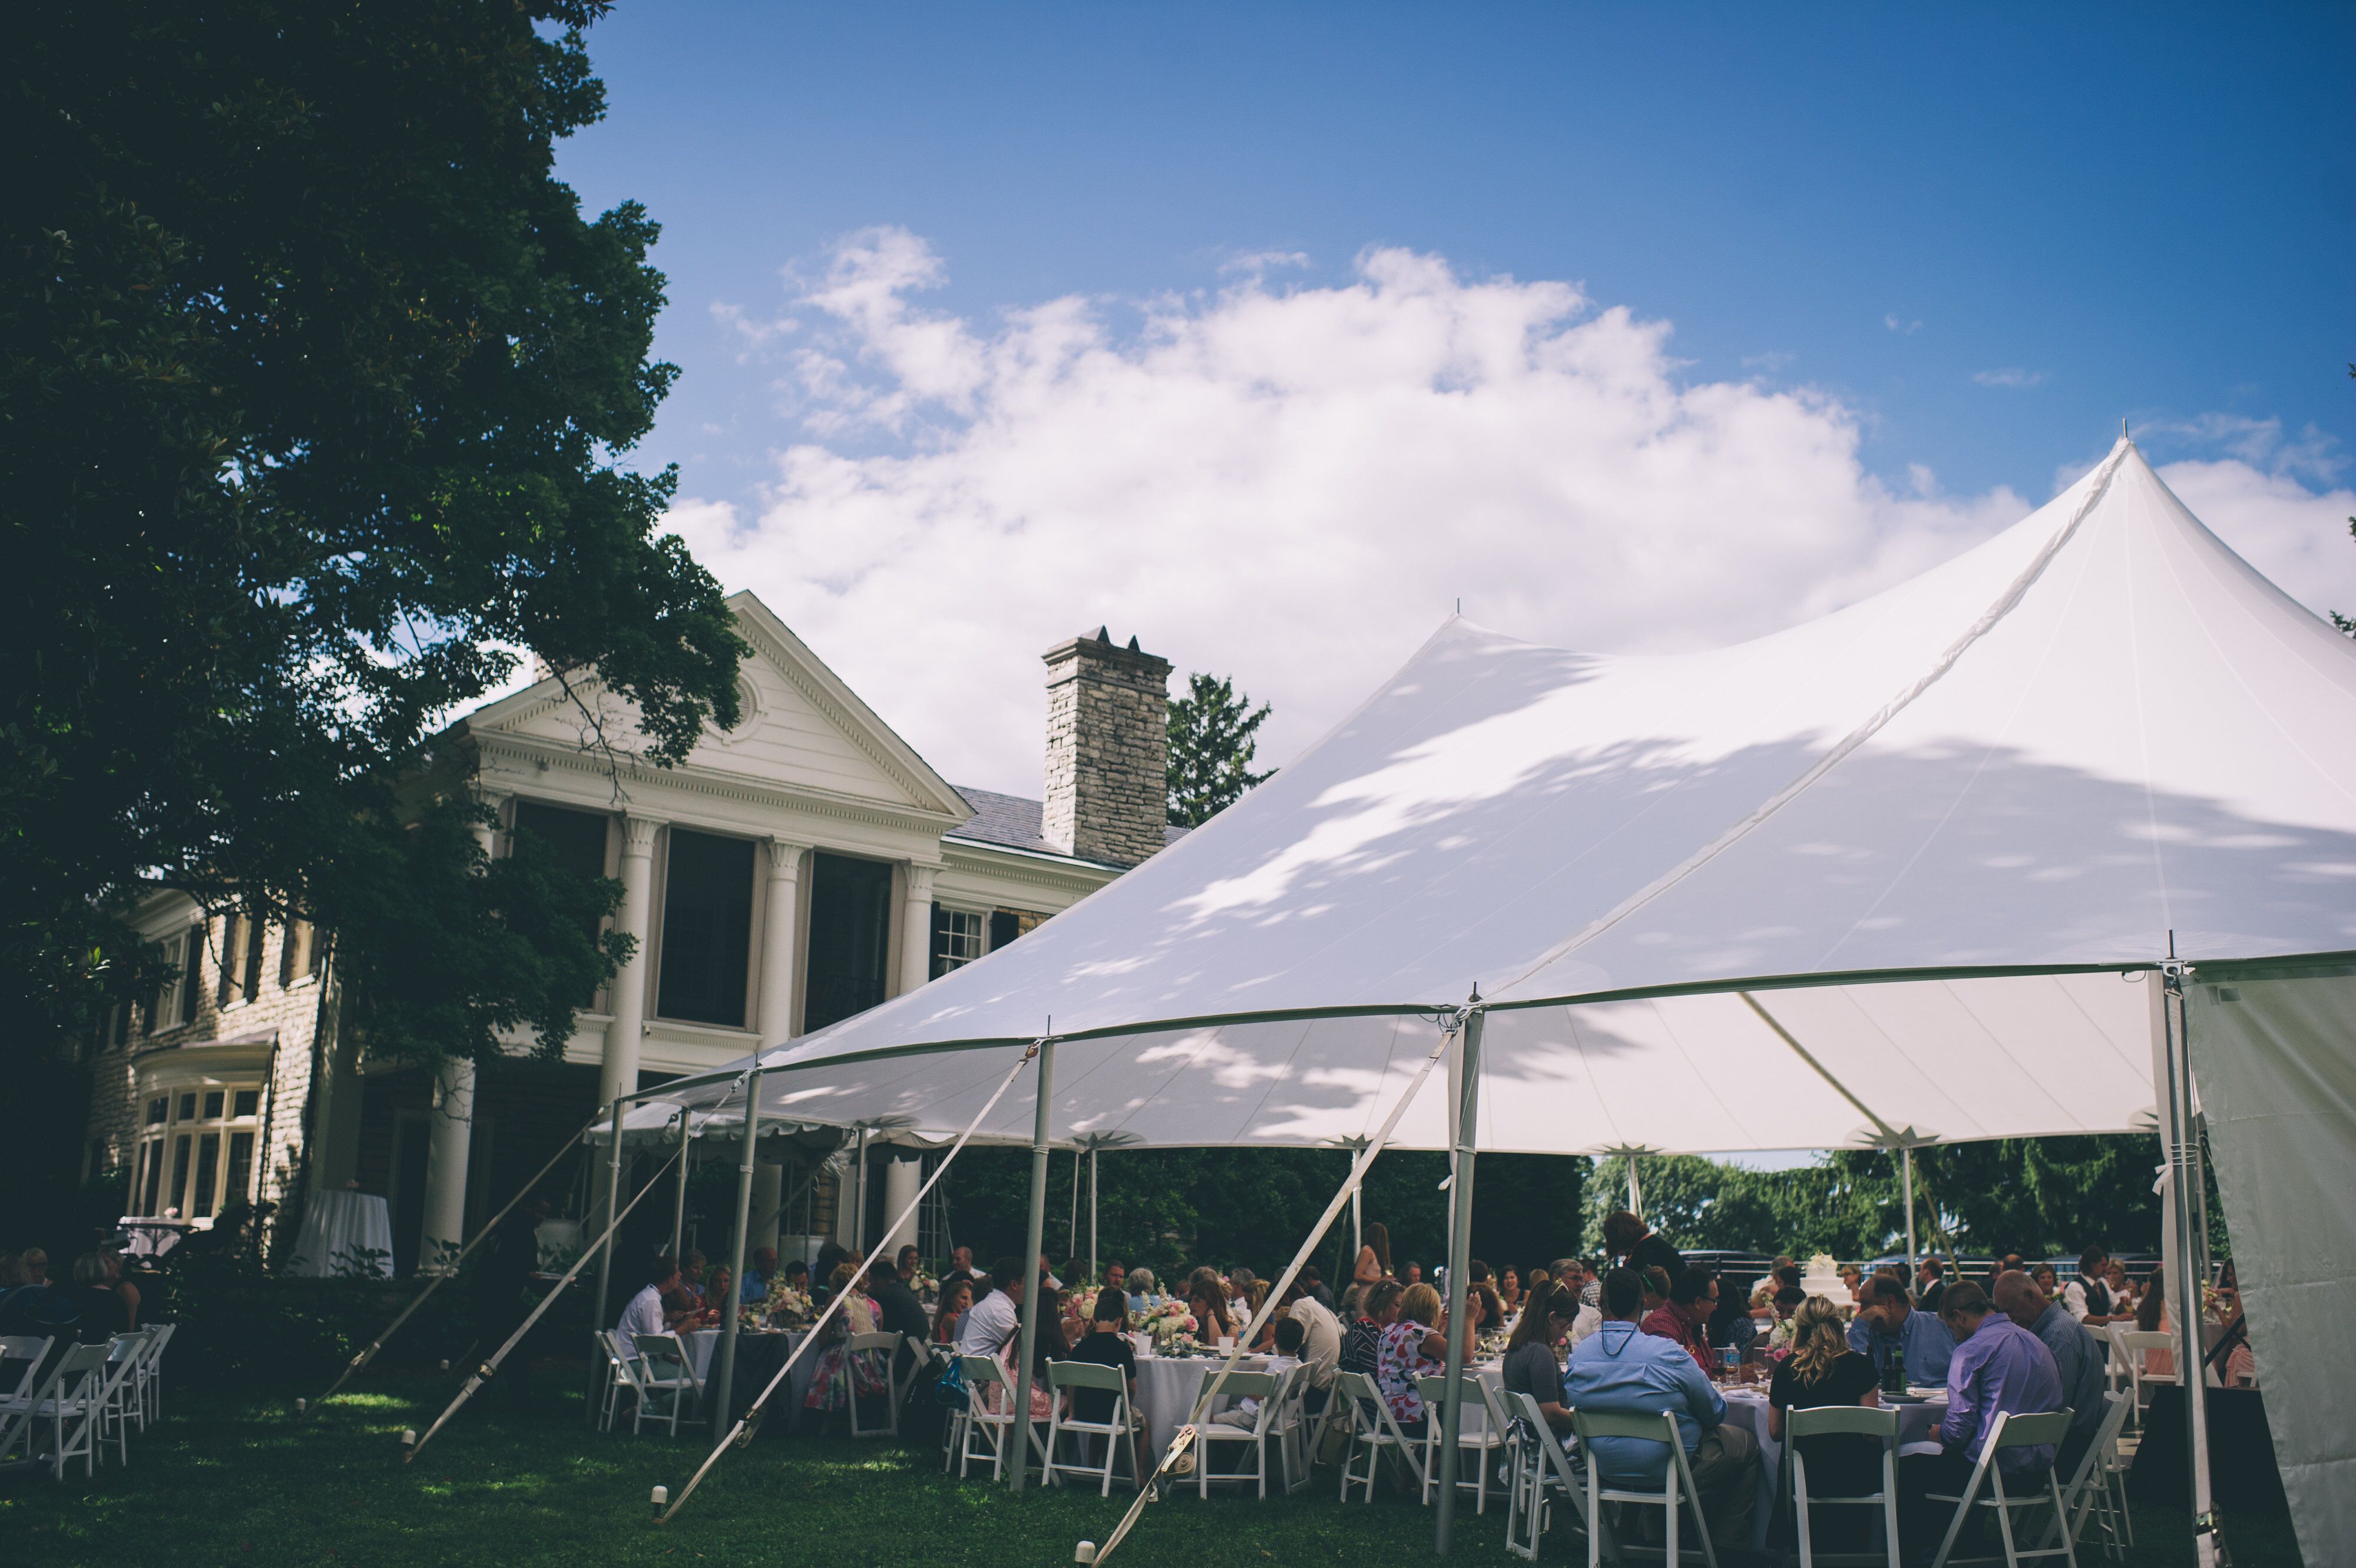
245	1102
255	930
850	937
575	840
1005	925
707	930
192	971
959	937
231	930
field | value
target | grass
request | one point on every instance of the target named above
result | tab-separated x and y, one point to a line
228	1479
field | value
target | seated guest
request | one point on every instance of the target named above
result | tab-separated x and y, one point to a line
644	1314
1312	1281
682	1307
2152	1316
2121	1290
1142	1289
1536	1279
957	1295
1930	1283
1534	1355
1851	1276
1886	1325
961	1268
897	1309
1622	1368
841	1374
1413	1347
1509	1289
2087	1298
1656	1289
798	1276
1999	1369
1412	1274
104	1314
690	1277
2077	1358
1362	1344
1640	1246
715	1293
764	1269
1684	1316
1206	1298
1822	1370
2045	1279
1115	1279
1107	1345
997	1317
1321	1339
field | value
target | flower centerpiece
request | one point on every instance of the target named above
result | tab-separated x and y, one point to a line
785	1307
1168	1321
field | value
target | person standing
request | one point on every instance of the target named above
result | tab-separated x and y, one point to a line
1622	1368
1640	1247
1999	1369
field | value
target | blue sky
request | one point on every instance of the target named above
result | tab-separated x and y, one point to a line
1969	245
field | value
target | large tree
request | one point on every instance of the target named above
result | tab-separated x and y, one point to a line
1213	734
316	393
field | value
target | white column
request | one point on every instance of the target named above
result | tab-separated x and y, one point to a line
781	945
902	1178
768	1197
619	1074
916	929
444	1229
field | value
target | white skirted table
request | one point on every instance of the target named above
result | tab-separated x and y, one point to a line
345	1234
759	1355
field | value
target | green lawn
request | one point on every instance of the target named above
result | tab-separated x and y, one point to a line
226	1480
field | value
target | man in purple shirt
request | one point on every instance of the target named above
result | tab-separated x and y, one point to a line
1999	1369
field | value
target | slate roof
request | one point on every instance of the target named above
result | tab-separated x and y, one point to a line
1013	822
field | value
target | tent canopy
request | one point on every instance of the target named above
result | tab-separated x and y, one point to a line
1927	834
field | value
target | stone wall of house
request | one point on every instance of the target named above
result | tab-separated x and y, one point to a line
290	1011
1107	750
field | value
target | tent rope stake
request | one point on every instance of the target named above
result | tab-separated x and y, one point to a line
436	1283
1147	1490
753	1412
483	1373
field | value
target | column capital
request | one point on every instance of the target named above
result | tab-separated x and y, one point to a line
639	835
920	879
786	856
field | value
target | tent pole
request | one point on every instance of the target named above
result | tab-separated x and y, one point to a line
1092	1211
1072	1233
605	1254
1635	1193
679	1205
723	1363
1459	1259
1906	1159
2184	1176
859	1198
1036	1241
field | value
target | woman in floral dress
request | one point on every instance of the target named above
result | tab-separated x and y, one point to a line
838	1371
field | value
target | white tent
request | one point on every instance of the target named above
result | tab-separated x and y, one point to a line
1913	865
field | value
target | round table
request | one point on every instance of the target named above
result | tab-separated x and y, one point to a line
759	1354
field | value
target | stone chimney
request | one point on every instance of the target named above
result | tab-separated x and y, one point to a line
1107	750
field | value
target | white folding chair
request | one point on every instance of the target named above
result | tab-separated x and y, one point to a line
2088	1495
131	1403
1542	1472
1843	1420
17	1399
986	1385
150	1372
1372	1431
872	1345
619	1375
1066	1377
1677	1491
2009	1431
1477	1437
1292	1450
1210	1431
2133	1343
69	1400
116	1392
666	1380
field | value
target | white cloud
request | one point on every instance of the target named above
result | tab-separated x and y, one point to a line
2295	536
2260	444
2012	376
1292	484
1900	326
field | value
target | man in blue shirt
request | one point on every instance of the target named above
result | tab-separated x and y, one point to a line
1620	1367
1888	1324
1999	1369
2076	1356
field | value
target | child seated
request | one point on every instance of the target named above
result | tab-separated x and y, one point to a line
1288	1337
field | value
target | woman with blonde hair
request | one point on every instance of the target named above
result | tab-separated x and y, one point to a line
1416	1347
1822	1370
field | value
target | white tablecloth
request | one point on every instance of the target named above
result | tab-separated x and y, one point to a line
344	1233
704	1344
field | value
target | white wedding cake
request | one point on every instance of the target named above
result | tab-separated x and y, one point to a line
1823	1278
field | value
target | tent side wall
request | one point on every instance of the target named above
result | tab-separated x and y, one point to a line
2276	1072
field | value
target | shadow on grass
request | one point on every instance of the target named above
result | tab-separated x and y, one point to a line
225	1479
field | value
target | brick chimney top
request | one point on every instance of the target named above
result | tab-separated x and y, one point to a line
1107	750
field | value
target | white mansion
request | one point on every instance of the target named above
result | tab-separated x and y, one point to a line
792	871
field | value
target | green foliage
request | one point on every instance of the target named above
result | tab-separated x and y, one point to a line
314	383
1172	1209
2036	1196
1212	731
